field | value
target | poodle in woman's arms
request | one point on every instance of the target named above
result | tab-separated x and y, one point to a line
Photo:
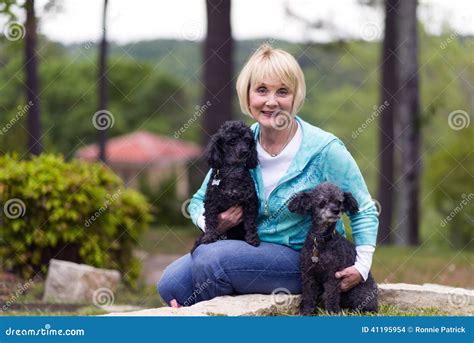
231	153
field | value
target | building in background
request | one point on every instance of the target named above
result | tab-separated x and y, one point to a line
146	155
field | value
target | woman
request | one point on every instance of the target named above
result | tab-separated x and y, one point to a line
294	156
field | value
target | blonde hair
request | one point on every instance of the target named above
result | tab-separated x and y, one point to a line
275	64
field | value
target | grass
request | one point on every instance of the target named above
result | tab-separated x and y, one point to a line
169	240
423	265
384	310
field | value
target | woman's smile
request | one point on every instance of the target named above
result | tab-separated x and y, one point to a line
268	114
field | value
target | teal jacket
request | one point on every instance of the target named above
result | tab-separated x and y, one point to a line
321	157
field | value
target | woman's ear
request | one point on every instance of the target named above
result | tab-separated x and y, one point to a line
350	203
214	152
301	203
252	160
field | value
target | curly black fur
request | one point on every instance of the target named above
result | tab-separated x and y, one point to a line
231	153
325	252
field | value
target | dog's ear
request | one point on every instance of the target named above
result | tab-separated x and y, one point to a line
252	160
215	152
301	203
350	203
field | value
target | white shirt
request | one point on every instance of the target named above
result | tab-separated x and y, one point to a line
273	169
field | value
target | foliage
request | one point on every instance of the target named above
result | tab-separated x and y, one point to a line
73	211
449	176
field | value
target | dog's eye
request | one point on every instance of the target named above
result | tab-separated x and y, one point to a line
338	203
322	204
232	141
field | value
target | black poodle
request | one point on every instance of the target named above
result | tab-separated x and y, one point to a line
325	252
231	153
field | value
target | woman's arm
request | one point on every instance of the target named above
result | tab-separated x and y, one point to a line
196	206
341	169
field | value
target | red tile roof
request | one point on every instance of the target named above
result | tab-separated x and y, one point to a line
142	147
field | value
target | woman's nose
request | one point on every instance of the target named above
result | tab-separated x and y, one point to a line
271	102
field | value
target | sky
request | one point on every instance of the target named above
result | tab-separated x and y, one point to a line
128	21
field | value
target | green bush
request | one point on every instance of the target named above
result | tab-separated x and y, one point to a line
74	211
449	176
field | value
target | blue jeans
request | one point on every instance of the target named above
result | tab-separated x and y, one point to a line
230	267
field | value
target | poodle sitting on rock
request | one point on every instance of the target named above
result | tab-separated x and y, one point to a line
325	252
231	153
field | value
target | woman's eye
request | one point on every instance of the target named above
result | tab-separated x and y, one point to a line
261	90
282	92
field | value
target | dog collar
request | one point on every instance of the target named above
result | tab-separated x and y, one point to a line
215	180
315	254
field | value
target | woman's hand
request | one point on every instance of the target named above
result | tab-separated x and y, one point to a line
350	278
229	218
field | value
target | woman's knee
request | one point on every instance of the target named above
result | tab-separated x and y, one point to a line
176	280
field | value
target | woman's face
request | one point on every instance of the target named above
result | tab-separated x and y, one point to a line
267	99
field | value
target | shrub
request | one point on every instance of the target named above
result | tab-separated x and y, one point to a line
74	211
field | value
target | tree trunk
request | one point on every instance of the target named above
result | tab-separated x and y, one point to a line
218	78
103	97
408	128
32	87
388	91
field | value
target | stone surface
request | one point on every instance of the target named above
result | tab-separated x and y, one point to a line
121	308
456	301
71	282
242	305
